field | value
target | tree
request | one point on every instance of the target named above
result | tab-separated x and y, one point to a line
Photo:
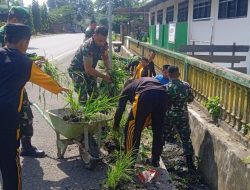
102	6
51	4
36	15
44	18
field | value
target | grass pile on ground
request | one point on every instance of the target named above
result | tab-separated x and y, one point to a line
121	171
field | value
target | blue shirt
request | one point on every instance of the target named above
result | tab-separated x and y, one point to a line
162	80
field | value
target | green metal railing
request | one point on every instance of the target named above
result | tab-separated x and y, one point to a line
207	80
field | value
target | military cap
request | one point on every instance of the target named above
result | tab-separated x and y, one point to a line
173	69
19	12
15	29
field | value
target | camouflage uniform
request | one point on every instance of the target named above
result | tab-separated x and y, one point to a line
176	118
85	84
2	30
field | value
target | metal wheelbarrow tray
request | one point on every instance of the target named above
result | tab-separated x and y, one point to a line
86	134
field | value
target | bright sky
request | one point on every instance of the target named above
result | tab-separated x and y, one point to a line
28	2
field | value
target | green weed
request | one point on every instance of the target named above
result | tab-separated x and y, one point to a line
121	171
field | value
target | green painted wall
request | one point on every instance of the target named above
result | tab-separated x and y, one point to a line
161	37
181	36
152	30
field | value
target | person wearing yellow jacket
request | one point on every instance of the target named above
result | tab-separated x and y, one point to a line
15	70
142	69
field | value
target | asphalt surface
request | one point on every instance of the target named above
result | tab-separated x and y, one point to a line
50	173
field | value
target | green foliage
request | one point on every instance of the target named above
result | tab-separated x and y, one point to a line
65	11
121	171
118	75
246	160
2	24
245	129
51	70
213	106
36	14
145	147
90	109
63	14
51	4
96	105
102	6
30	21
4	12
74	103
44	18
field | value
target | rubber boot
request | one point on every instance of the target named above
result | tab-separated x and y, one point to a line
29	150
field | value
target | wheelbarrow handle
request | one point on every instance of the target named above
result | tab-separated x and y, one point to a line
42	113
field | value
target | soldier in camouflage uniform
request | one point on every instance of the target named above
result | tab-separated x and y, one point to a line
18	14
82	69
90	30
180	94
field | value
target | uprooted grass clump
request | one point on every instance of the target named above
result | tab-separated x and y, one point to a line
121	171
51	70
89	110
118	75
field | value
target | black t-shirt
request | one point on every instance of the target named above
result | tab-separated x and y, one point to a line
138	86
151	67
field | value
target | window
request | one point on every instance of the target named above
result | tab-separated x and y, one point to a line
170	14
152	18
232	8
202	9
183	11
159	16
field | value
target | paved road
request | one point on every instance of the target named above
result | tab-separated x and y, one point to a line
49	173
54	46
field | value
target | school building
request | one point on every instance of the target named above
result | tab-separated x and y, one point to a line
174	23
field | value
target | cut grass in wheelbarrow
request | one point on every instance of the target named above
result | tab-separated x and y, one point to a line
90	109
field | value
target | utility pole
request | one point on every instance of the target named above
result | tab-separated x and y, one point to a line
110	32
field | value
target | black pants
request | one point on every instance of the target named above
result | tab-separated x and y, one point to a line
148	104
9	149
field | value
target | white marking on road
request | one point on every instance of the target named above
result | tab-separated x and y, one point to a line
63	54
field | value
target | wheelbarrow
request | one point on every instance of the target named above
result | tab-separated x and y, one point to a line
87	135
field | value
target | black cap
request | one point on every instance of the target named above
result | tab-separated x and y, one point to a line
173	69
17	30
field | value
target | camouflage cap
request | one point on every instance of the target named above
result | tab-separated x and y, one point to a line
21	13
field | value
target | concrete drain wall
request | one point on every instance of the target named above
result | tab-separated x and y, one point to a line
220	156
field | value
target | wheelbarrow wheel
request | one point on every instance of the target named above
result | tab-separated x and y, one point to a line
91	156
